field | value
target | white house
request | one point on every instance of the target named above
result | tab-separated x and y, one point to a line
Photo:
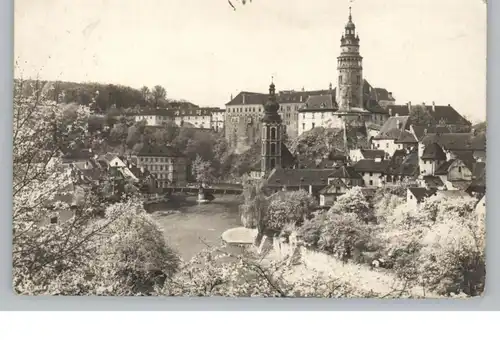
394	135
373	171
415	195
318	111
430	158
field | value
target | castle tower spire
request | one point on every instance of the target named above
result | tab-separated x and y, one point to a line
350	69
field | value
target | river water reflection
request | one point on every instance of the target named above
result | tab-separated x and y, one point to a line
195	225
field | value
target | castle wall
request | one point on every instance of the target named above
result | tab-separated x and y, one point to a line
242	130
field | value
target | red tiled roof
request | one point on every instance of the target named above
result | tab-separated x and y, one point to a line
406	137
330	189
319	103
446	115
433	181
371	166
457	141
390	128
372	153
158	151
443	168
422	131
421	193
345	172
433	151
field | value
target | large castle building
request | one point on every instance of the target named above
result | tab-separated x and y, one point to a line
351	104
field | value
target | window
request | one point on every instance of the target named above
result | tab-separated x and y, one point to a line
387	145
340	79
358	79
53	220
272	163
459	169
273	133
273	148
411	197
371	174
303	126
371	182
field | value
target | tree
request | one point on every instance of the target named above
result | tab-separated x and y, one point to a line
342	234
43	252
134	260
158	93
202	170
353	201
254	208
121	253
217	272
146	94
290	207
453	256
419	115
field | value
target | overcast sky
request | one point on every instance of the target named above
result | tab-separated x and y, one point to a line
202	50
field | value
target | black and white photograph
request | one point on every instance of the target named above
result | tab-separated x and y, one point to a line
250	148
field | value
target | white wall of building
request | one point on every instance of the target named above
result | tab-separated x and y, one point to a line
310	120
387	145
411	200
372	179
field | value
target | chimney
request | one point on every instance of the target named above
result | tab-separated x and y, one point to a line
303	89
397	114
142	169
399	123
243	99
425	132
390	95
390	112
409	105
433	106
300	98
231	97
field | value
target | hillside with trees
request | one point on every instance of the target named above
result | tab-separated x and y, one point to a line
106	98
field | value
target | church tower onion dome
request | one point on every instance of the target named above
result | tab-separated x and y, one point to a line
271	107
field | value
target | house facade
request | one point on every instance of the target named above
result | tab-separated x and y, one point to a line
167	165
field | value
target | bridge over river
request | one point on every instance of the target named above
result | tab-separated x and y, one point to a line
214	189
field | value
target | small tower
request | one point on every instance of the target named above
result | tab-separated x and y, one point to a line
350	70
271	133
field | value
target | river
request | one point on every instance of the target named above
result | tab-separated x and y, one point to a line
196	225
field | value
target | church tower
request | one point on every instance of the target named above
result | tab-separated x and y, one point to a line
350	70
272	131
